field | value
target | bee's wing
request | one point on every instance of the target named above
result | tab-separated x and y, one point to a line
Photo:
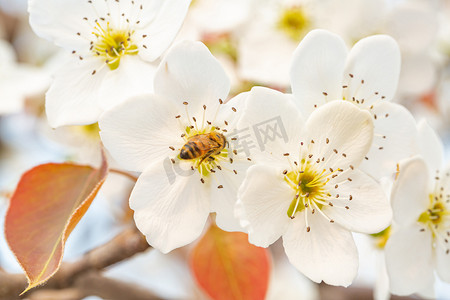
207	145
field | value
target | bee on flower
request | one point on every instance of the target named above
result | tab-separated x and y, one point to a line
182	139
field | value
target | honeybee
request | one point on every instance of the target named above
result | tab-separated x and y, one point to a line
203	146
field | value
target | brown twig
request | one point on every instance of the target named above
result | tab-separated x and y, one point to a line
123	246
83	278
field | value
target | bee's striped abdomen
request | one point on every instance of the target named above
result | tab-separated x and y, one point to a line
194	148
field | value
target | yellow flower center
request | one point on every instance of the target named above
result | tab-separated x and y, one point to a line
310	188
294	23
382	237
205	166
88	131
112	44
436	214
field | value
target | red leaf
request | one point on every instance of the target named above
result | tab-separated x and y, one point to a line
47	204
226	266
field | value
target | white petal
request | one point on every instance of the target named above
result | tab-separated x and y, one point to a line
317	68
409	260
140	131
430	146
374	63
369	210
62	21
190	73
133	77
394	139
264	199
162	30
171	210
270	125
73	96
326	253
381	288
443	259
232	112
340	126
409	196
223	199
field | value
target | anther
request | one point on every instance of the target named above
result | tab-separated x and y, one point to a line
185	103
171	148
220	187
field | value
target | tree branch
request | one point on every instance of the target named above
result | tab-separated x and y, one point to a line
123	246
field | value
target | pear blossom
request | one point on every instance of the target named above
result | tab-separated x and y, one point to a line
419	246
273	31
152	133
113	46
323	70
308	189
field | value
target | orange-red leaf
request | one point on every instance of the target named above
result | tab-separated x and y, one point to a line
47	204
226	266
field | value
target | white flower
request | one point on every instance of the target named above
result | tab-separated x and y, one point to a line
151	134
323	71
309	189
112	43
266	45
420	200
17	81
